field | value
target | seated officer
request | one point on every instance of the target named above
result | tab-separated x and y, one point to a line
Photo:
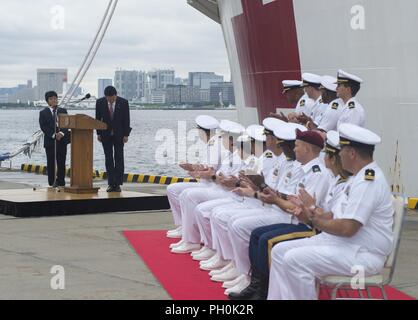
358	231
207	127
263	239
192	197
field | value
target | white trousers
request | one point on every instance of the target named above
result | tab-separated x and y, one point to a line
203	215
297	264
173	195
189	200
220	221
240	230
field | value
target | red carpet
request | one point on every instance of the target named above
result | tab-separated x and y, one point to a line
183	280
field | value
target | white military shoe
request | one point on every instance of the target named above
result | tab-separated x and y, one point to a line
175	234
173	245
233	283
219	271
217	263
186	247
204	255
228	275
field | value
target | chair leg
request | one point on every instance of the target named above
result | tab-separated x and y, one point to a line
360	292
384	295
335	291
369	294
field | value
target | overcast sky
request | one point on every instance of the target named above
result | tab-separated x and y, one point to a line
143	35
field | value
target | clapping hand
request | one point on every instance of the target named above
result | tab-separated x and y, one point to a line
229	182
244	192
306	199
268	196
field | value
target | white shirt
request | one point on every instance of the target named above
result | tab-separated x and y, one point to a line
253	165
370	203
353	113
331	115
272	174
304	105
231	165
290	174
335	194
317	109
316	180
322	108
215	152
312	176
269	159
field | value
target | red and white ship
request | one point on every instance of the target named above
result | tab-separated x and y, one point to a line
272	40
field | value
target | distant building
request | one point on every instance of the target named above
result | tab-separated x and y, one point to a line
102	84
160	79
224	91
158	97
205	95
182	94
130	84
51	79
23	93
203	80
4	98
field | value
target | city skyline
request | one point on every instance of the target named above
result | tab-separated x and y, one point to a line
143	34
156	86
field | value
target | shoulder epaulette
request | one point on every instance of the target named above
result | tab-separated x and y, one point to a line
342	180
268	155
370	175
316	168
352	105
335	106
302	103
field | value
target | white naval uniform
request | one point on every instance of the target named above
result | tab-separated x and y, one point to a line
304	105
320	112
331	116
317	109
191	198
297	264
215	152
353	113
263	165
223	216
315	179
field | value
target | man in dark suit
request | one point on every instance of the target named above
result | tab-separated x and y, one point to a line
114	111
55	140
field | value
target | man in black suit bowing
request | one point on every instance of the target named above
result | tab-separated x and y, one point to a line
54	139
114	111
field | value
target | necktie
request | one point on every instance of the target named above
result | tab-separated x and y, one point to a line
54	111
111	111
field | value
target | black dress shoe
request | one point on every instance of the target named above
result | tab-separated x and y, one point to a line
109	189
117	189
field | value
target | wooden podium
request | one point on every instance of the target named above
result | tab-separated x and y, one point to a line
82	127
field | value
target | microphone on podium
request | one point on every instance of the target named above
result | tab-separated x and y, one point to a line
87	96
